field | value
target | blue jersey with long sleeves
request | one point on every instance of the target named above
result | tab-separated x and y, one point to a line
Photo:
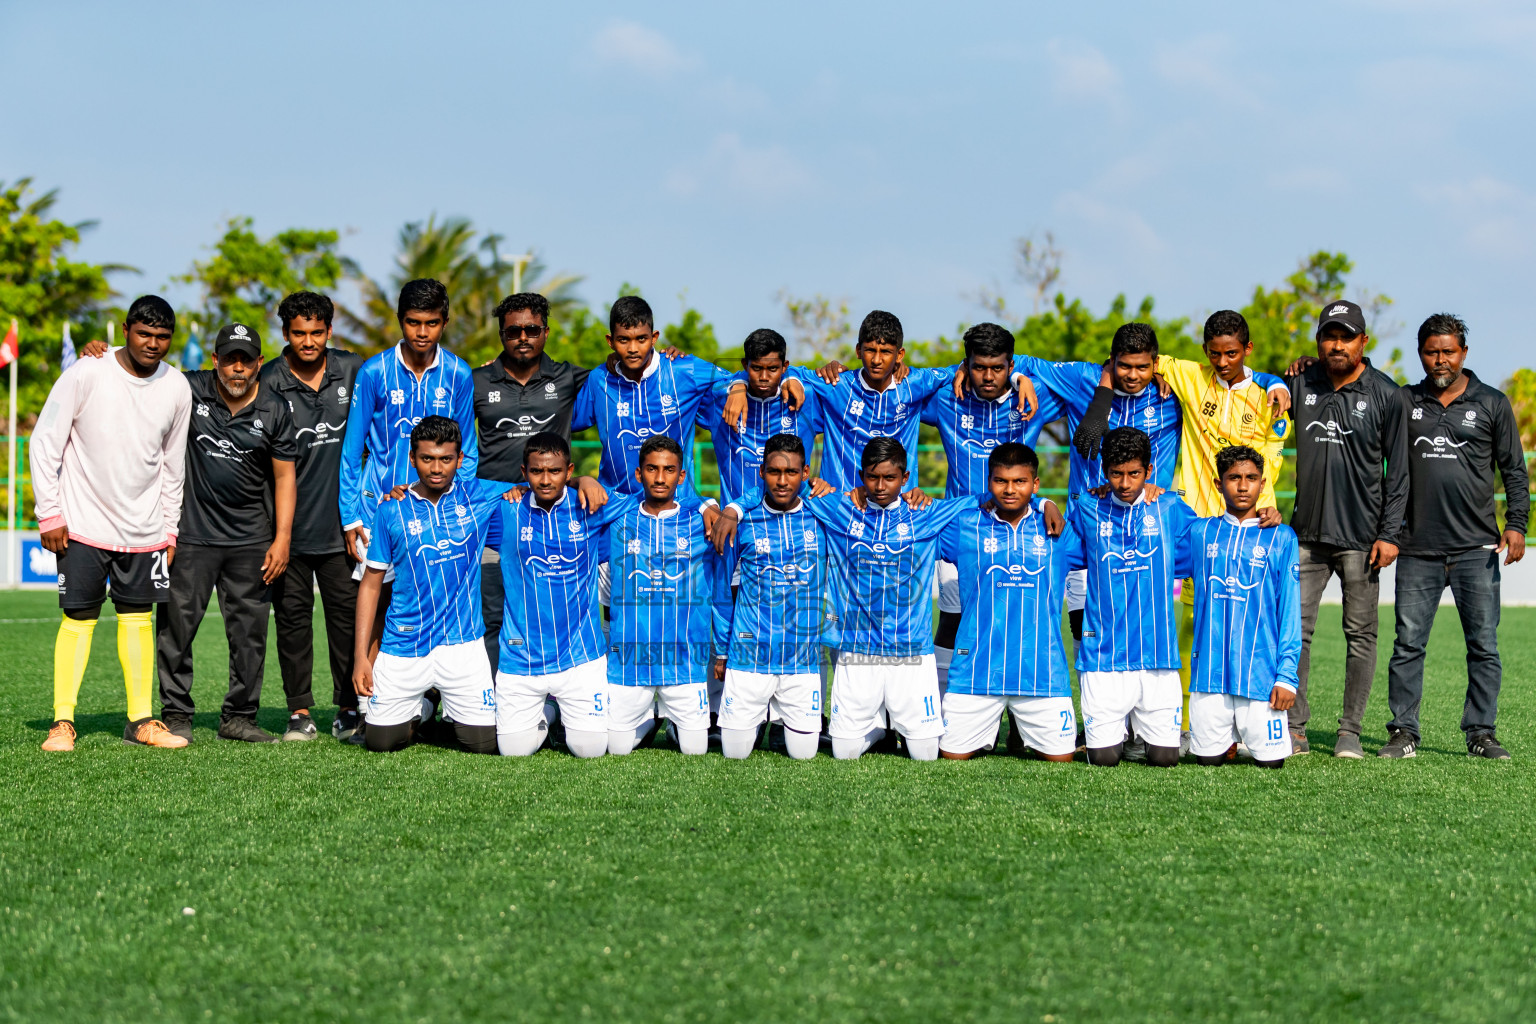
549	563
1132	555
1074	385
739	453
853	413
667	399
387	401
971	428
661	619
780	619
1247	607
1012	585
435	548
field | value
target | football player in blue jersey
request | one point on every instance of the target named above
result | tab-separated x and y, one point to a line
739	438
1247	622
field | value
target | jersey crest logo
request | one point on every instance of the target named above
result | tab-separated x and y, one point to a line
574	526
901	407
257	424
549	389
494	396
1259	551
1280	427
902	529
1149	520
1471	415
1150	413
666	400
341	392
1013	415
787	422
682	543
1039	541
1360	407
855	408
809	536
441	393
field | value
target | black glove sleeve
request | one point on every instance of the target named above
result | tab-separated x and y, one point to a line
1095	424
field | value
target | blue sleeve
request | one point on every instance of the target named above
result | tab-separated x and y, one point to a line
617	505
381	547
926	381
833	511
750	500
722	608
949	542
1075	548
1181	522
1288	607
481	492
584	413
932	408
1073	384
1052	408
1268	380
365	403
464	415
495	528
705	375
940	514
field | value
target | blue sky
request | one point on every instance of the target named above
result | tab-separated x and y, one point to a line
887	153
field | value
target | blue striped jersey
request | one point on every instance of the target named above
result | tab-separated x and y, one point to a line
1012	585
971	428
549	566
435	551
780	619
739	454
667	399
1074	385
387	401
853	413
661	616
1130	552
1247	607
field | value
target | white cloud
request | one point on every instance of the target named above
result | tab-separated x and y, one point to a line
634	47
1082	71
1204	63
733	167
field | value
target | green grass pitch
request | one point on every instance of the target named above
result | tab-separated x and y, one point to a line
329	884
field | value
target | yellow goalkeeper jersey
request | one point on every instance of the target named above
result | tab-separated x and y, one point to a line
1216	417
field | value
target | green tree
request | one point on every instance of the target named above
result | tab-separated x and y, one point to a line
1521	389
1283	321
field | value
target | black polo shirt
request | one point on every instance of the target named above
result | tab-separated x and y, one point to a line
319	424
227	499
1343	438
508	413
1452	453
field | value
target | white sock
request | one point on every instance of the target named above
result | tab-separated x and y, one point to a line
551	711
622	741
693	741
942	656
923	750
801	745
520	744
736	744
425	714
850	750
586	744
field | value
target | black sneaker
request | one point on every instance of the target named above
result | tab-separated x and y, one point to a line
180	724
301	729
1399	744
348	721
1485	744
239	727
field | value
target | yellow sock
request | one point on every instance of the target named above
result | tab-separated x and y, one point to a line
71	652
136	650
1186	642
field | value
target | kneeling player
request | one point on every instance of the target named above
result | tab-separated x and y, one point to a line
662	619
1008	647
434	634
1247	622
1128	661
771	641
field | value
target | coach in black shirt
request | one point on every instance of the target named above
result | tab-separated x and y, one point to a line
1459	429
520	393
1347	511
236	525
315	381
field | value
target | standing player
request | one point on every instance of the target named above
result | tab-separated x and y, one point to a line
769	645
1247	622
433	634
108	461
1009	652
739	446
661	632
1128	661
316	381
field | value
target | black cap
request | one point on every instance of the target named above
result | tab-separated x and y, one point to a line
1344	313
237	339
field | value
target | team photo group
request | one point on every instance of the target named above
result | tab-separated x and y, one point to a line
478	592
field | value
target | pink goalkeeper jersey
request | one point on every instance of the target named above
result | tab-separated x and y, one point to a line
109	455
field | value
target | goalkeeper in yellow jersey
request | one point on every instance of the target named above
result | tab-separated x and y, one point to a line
1224	403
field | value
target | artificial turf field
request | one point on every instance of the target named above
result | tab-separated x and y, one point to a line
433	885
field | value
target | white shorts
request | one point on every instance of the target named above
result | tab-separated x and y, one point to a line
357	570
794	699
1077	590
582	692
1218	720
868	688
685	705
948	576
604	585
1152	697
461	672
1047	724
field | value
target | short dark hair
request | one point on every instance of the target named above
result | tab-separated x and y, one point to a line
781	443
546	443
436	430
309	305
1126	444
661	443
151	311
533	302
1133	339
1224	322
883	449
987	340
1012	453
1233	454
881	326
424	294
1443	323
630	311
763	342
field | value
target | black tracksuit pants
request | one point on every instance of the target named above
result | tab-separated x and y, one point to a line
245	602
293	606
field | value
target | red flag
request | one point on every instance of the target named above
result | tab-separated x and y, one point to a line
10	348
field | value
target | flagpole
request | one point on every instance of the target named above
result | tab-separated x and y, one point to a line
12	554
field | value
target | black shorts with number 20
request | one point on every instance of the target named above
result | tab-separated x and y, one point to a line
137	577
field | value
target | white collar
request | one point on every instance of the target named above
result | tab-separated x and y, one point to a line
1139	499
1247	379
866	385
870	503
799	504
650	368
667	513
437	356
1029	510
533	502
411	490
1242	523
